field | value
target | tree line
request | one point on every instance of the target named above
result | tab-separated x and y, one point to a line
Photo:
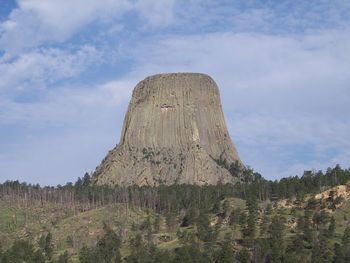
84	195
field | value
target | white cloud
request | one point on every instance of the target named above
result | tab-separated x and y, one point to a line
69	131
156	13
37	22
68	106
40	67
283	96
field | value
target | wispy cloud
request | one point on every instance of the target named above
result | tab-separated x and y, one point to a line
42	67
285	97
68	68
35	22
69	130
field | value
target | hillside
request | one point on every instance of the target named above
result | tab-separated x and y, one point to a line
182	221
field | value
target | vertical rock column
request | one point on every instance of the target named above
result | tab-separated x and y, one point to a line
174	132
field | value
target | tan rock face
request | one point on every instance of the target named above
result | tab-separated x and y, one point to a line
174	132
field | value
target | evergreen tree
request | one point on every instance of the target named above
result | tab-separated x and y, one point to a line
148	227
46	245
306	226
331	227
205	232
162	256
87	255
107	248
64	258
22	251
225	253
244	256
189	254
189	218
139	251
338	254
252	206
277	238
226	208
182	255
243	224
234	217
156	224
346	244
264	226
38	257
322	251
170	221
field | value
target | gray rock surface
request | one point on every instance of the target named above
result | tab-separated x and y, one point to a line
174	132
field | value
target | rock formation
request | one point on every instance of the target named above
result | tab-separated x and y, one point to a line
174	132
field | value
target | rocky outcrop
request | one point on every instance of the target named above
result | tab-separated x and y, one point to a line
174	132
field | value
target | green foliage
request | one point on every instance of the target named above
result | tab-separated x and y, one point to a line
346	244
22	251
225	254
63	258
234	216
322	251
244	256
276	232
253	211
317	236
331	227
106	250
156	224
205	232
46	245
338	254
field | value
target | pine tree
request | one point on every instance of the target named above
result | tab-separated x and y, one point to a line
140	253
148	227
87	255
346	244
162	256
63	258
205	232
338	254
234	217
252	206
226	208
308	232
244	256
331	227
156	224
46	245
38	257
170	221
264	226
107	248
322	251
225	254
182	256
276	232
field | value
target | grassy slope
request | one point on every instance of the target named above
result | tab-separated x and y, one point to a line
85	227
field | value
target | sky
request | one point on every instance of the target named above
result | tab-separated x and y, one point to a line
68	67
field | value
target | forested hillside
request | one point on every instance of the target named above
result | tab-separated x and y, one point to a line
296	219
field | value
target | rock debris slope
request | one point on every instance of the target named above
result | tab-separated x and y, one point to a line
174	132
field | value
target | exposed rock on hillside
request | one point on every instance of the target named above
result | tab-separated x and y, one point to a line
174	132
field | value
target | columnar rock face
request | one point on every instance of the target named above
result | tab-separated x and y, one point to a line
174	132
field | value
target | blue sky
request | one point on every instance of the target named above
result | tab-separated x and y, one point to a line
68	68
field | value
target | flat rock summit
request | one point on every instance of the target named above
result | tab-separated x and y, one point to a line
174	132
